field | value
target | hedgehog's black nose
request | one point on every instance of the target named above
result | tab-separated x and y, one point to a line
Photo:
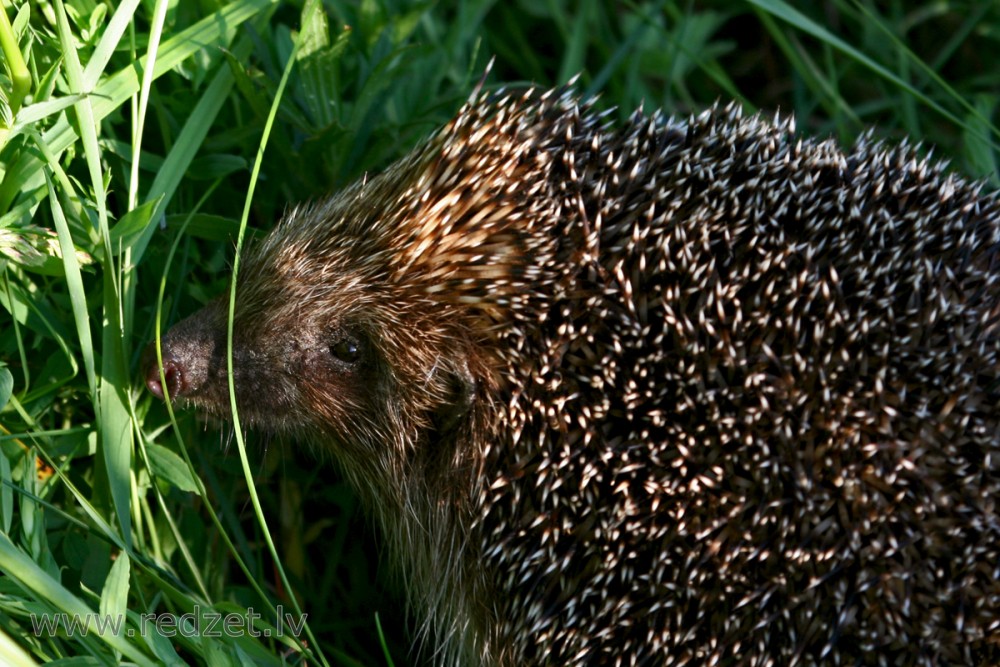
173	373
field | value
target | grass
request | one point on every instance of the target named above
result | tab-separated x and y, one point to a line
129	138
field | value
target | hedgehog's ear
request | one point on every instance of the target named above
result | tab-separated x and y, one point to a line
459	396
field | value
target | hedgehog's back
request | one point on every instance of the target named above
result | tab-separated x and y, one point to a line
765	425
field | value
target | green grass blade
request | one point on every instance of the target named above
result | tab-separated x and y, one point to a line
190	140
112	35
74	283
16	564
111	407
19	74
789	14
12	654
213	30
309	13
139	124
33	113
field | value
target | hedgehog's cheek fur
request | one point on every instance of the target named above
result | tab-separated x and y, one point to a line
296	384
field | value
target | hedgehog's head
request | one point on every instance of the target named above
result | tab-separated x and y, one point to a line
326	346
367	320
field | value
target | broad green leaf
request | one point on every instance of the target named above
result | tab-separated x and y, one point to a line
6	386
114	595
171	467
127	230
207	226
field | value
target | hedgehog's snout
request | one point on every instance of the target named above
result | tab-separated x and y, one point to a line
188	351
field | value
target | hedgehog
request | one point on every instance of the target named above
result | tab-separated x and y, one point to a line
673	391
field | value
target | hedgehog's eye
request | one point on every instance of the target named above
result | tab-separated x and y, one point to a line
346	349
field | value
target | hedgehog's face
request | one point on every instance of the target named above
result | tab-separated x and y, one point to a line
288	368
316	355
